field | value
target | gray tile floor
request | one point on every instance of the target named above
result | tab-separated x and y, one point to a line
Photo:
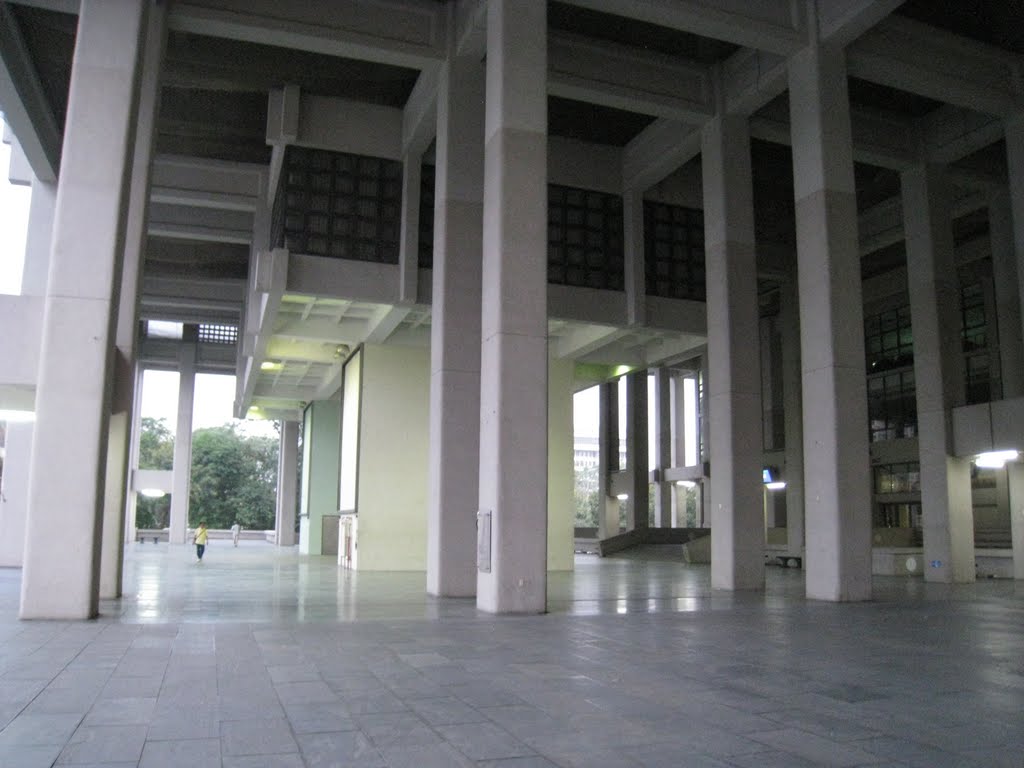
255	658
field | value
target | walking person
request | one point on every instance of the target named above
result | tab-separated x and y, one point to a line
236	529
200	541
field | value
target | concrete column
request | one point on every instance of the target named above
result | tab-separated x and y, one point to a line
636	448
608	459
1006	283
1014	133
633	256
947	512
662	447
455	330
513	357
1015	476
837	493
14	485
183	437
287	482
409	253
132	499
61	574
789	325
124	374
737	544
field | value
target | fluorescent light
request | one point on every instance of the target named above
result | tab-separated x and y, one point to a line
777	485
270	365
153	493
17	416
687	483
622	496
994	459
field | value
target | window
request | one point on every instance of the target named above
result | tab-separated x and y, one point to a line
892	408
898	516
426	242
339	205
674	251
218	334
972	310
585	238
980	367
898	478
889	340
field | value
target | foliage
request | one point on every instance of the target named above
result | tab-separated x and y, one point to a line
587	497
156	445
234	479
156	451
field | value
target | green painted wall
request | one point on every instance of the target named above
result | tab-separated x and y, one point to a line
393	449
320	461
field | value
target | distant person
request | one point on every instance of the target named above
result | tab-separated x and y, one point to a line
236	529
200	541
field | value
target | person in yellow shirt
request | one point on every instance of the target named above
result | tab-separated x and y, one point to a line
200	541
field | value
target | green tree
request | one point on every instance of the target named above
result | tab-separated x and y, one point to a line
234	478
156	451
586	494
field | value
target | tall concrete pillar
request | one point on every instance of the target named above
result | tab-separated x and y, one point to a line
662	447
608	459
132	498
636	449
183	436
737	541
947	513
789	322
14	485
61	573
1014	133
287	484
455	330
837	492
125	374
1006	283
513	355
635	281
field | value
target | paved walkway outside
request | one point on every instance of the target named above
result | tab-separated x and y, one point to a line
255	658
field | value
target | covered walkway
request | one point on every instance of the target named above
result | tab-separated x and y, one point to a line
255	658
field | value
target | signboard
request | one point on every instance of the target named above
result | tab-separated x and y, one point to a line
483	541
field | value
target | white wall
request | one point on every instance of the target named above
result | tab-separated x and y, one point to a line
393	449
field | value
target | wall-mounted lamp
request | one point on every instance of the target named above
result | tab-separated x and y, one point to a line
994	459
687	483
775	485
622	496
153	493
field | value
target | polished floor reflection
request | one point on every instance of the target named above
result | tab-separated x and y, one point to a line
258	658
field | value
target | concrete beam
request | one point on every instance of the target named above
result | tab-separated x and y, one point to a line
419	117
26	108
404	33
910	56
628	78
338	125
657	151
775	27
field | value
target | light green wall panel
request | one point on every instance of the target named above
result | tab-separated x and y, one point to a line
320	461
393	449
